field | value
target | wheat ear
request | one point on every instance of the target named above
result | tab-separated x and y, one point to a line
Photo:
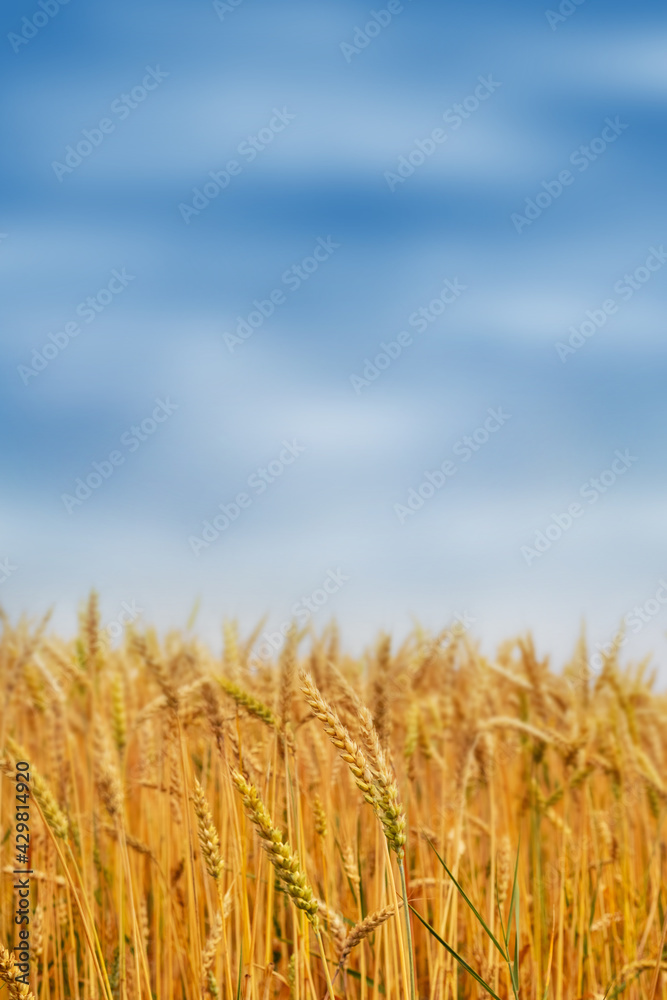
350	752
15	991
46	800
286	864
209	842
363	930
388	805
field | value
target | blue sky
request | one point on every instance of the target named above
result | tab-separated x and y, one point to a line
332	127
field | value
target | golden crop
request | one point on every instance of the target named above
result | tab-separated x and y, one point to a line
380	827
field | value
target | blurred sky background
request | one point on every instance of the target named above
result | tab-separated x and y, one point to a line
323	176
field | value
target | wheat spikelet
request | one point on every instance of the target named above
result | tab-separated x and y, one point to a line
287	671
107	778
209	841
53	814
173	763
118	713
503	869
8	973
38	876
35	685
137	845
68	669
606	836
411	731
363	930
337	929
208	957
485	755
320	817
642	965
381	716
248	701
386	802
291	976
231	653
144	924
341	739
350	866
286	864
212	711
549	736
606	921
91	629
346	699
58	747
62	912
246	763
158	670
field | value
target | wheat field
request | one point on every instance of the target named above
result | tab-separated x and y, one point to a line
421	821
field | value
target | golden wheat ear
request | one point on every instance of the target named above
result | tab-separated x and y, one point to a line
287	865
8	973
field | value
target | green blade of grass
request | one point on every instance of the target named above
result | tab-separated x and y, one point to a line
514	890
462	962
238	988
514	909
506	933
470	904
